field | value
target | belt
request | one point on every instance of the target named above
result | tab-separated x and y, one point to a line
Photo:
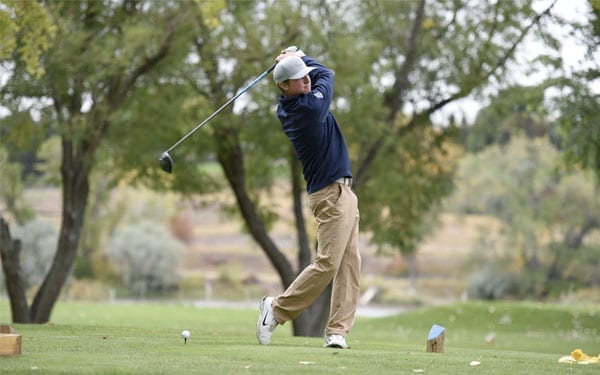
345	181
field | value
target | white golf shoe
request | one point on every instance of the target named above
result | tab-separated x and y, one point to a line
335	341
266	323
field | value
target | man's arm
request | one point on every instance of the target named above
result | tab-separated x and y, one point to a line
321	78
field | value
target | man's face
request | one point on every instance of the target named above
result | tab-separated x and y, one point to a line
293	87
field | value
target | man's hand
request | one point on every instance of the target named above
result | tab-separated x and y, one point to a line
290	51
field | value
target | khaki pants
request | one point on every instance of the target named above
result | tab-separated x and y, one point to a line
335	208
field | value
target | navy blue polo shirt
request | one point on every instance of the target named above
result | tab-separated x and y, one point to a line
315	134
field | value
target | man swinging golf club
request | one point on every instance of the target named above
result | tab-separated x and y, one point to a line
306	92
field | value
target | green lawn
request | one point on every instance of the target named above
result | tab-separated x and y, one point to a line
144	338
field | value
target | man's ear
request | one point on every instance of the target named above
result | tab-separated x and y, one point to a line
282	86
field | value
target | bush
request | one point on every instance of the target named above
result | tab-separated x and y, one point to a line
489	284
38	246
146	256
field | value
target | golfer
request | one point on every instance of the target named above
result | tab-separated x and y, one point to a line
306	92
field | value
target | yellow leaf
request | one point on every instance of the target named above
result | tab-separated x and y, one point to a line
579	355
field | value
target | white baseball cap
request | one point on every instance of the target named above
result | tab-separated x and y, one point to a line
292	67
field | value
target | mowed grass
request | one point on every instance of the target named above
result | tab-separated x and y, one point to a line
144	338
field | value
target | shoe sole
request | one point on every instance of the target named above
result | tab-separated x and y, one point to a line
336	346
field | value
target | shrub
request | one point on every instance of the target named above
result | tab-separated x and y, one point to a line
489	284
38	246
146	256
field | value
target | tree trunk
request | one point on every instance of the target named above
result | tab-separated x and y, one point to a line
75	176
230	157
304	254
313	320
13	275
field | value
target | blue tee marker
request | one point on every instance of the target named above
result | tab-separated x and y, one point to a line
435	331
436	338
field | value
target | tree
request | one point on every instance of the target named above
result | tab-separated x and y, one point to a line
26	31
548	218
577	102
105	52
415	176
447	51
578	121
514	111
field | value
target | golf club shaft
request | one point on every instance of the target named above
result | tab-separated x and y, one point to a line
250	85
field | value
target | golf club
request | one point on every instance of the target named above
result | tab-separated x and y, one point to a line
166	163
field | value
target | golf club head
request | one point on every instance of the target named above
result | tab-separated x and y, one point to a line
166	163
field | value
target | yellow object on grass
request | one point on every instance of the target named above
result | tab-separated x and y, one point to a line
579	357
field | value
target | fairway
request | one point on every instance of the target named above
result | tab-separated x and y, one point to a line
143	338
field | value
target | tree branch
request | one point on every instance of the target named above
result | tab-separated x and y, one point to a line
148	63
395	96
502	61
361	175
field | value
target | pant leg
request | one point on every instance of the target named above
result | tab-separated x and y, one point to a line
346	283
334	227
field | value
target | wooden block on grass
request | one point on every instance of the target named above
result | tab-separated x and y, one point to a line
10	342
436	339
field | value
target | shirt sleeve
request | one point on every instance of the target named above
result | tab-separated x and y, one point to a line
321	93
